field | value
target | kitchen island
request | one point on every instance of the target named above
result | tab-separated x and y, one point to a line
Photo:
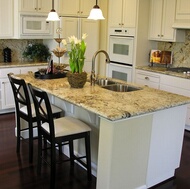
136	136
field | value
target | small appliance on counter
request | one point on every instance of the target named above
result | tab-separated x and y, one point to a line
7	54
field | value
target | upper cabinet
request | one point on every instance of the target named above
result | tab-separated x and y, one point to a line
122	13
183	10
6	19
161	20
75	7
41	6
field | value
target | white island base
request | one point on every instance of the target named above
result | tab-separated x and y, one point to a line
141	151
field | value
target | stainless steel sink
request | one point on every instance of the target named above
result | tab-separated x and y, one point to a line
121	88
104	82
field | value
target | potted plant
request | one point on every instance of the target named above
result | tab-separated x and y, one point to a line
37	52
76	77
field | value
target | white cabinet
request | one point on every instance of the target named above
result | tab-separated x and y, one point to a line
6	19
179	86
75	7
41	6
78	26
162	16
147	79
168	83
122	13
183	10
6	95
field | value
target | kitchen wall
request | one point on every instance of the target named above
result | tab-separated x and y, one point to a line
181	51
17	47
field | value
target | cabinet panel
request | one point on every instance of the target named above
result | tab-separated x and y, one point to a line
147	79
161	20
78	26
183	10
42	6
6	19
6	94
75	7
122	13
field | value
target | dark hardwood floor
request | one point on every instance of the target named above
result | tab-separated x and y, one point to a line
17	173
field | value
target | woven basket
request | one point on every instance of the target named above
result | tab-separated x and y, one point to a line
77	80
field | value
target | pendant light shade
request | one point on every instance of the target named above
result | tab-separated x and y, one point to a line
53	16
96	13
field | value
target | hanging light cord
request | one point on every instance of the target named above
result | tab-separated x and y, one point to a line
96	6
53	5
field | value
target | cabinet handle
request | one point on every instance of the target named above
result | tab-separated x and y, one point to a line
147	78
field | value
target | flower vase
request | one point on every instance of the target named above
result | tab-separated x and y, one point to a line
77	80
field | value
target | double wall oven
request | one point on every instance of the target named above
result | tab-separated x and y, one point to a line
121	47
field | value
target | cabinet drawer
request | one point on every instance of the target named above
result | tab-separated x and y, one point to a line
5	71
148	77
176	82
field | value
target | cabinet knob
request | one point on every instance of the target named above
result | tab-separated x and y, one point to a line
39	8
81	12
35	8
147	78
162	35
78	12
158	35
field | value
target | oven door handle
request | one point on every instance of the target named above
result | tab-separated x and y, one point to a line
120	37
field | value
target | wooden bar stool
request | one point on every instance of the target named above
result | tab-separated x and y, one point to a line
62	130
26	110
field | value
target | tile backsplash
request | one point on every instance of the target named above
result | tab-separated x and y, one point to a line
17	47
181	51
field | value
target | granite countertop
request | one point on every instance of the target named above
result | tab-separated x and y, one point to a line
20	64
163	70
109	104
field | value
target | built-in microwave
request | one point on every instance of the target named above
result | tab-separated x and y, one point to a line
31	25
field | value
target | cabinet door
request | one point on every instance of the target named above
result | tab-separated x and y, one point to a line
129	13
183	10
168	16
115	13
86	6
155	19
70	27
147	79
44	6
6	26
91	28
7	94
69	8
28	5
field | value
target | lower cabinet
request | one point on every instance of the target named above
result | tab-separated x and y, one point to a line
147	79
168	83
7	103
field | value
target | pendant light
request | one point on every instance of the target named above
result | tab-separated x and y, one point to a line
96	13
53	16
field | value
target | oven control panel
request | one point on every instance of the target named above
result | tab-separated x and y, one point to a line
122	31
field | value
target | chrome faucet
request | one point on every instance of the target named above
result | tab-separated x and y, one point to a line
92	77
